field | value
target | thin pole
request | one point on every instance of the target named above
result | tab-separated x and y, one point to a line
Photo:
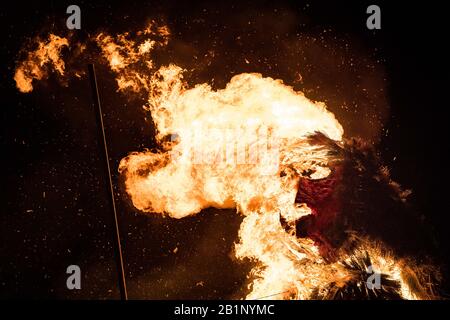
118	247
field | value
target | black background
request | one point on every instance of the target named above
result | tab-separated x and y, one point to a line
389	86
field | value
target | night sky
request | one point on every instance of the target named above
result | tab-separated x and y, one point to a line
388	86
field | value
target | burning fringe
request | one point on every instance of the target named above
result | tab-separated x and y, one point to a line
286	267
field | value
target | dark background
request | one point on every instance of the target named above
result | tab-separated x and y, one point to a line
388	86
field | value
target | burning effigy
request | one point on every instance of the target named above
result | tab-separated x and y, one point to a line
310	197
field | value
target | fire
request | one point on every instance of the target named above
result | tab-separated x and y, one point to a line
181	185
244	146
40	61
228	124
251	113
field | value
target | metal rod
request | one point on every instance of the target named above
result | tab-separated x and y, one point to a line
118	247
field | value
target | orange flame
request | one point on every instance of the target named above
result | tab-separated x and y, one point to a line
227	150
46	56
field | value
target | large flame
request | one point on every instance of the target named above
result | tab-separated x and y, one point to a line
228	145
243	147
128	53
